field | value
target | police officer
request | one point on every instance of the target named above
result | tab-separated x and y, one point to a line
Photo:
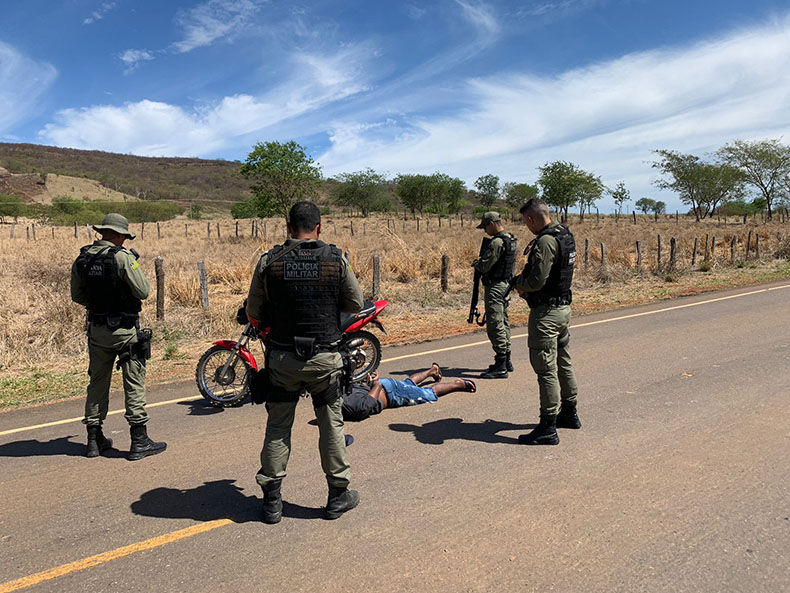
299	290
545	283
106	279
496	266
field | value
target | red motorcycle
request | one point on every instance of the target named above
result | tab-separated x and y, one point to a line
224	371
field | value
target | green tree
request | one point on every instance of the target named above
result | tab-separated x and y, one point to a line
659	207
455	192
517	194
363	190
487	189
282	174
563	185
414	191
195	211
645	205
10	206
765	165
701	185
244	209
620	195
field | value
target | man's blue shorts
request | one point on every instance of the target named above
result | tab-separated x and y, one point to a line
406	393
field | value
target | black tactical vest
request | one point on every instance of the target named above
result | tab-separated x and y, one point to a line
304	292
557	290
107	292
503	268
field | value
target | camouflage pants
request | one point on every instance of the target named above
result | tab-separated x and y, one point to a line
549	356
104	345
316	376
497	321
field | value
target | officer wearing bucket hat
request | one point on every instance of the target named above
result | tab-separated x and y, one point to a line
496	263
107	280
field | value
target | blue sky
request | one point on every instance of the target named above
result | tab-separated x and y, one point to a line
464	87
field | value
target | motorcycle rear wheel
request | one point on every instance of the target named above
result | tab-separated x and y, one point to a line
368	354
222	392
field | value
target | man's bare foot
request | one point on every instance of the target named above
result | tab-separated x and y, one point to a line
436	372
466	385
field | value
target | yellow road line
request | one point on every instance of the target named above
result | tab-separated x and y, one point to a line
105	557
77	419
447	349
610	320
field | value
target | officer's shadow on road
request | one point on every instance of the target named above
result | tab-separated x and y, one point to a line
439	431
220	499
201	407
60	446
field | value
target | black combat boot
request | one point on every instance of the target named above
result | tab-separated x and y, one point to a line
509	364
142	446
567	418
498	370
544	433
97	442
339	501
272	503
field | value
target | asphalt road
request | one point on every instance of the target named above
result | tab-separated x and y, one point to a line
678	480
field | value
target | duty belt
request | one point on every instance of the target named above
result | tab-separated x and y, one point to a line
292	347
126	320
551	301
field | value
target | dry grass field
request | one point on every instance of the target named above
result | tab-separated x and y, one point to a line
42	346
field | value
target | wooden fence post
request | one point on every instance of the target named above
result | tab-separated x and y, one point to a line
707	252
586	251
13	228
603	255
418	225
33	228
75	230
633	213
142	231
252	228
88	231
334	225
264	230
404	225
376	276
160	288
208	229
440	222
694	252
713	247
672	253
732	249
748	244
450	221
639	255
27	232
237	228
756	244
186	230
53	232
445	272
218	234
364	228
352	227
158	231
659	252
203	284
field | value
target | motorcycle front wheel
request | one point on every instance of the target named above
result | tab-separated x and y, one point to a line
222	389
364	349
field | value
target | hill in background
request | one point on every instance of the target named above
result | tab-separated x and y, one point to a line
146	178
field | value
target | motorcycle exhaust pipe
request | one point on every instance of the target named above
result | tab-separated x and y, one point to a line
355	343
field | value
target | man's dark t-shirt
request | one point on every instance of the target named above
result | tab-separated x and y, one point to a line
358	405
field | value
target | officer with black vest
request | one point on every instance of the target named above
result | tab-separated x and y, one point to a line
107	280
496	263
299	290
545	283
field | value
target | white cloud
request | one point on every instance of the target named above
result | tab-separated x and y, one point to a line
22	82
132	58
154	128
607	117
482	17
212	20
99	13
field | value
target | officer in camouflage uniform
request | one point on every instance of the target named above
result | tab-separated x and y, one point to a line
299	290
496	266
545	283
107	280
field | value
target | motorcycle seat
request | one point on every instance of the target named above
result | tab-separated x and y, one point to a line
349	319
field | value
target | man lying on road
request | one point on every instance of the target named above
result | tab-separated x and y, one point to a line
377	394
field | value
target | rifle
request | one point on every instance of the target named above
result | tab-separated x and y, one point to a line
474	313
